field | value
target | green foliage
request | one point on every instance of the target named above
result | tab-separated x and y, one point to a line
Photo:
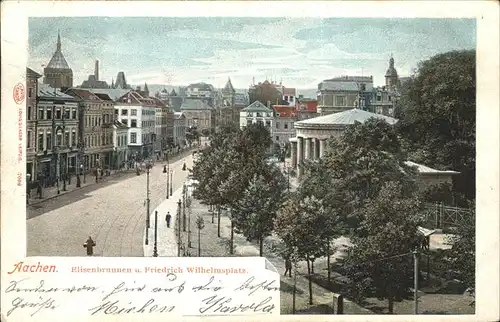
266	93
463	251
255	211
388	229
438	116
356	167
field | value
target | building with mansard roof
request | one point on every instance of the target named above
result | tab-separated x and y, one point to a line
31	123
57	73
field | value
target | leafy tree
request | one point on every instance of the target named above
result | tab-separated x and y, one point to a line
200	224
463	251
358	164
256	210
438	116
380	261
205	132
265	93
301	226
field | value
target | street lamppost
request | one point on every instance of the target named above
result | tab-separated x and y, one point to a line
171	181
148	167
179	228
155	248
167	171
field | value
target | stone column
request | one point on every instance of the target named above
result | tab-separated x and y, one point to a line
300	155
307	154
294	154
318	149
315	148
322	146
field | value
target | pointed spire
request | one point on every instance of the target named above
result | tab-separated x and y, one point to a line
58	40
146	87
112	82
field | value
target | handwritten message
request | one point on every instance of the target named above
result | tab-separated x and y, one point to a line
42	291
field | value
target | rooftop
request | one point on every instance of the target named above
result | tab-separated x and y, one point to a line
285	111
195	104
257	106
345	118
46	91
425	169
113	93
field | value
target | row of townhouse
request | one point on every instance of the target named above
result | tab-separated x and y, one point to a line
75	130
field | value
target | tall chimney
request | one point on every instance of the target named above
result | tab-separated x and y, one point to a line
96	71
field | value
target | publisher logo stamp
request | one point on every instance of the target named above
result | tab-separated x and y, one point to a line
19	93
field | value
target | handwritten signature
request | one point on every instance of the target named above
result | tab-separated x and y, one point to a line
40	304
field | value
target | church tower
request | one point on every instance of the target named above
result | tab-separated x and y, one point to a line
228	93
391	76
58	74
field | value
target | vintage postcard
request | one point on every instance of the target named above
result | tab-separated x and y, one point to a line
256	160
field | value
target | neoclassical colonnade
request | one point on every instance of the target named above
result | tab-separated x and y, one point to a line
310	144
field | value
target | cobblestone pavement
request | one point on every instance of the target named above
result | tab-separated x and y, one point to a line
113	214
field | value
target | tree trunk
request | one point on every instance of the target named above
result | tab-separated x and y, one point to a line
218	221
213	213
261	246
312	266
309	280
199	242
391	305
328	258
231	244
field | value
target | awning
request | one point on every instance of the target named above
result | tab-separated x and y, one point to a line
426	232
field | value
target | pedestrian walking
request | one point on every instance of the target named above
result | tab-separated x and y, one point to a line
89	244
168	217
288	266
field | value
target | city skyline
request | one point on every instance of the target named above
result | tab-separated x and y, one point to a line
301	52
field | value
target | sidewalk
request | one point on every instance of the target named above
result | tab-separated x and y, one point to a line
51	192
167	238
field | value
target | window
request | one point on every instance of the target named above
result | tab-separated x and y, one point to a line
40	113
28	140
40	141
389	97
66	113
249	122
259	114
133	112
58	113
86	141
73	137
133	137
285	98
277	125
116	111
124	111
125	140
59	138
99	121
73	112
285	125
48	139
277	138
49	113
268	123
291	99
379	97
66	138
30	92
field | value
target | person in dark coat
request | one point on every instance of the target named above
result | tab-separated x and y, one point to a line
89	244
168	217
288	266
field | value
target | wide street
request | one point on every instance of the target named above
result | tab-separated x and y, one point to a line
113	214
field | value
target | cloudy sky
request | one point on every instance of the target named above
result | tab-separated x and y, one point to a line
300	51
